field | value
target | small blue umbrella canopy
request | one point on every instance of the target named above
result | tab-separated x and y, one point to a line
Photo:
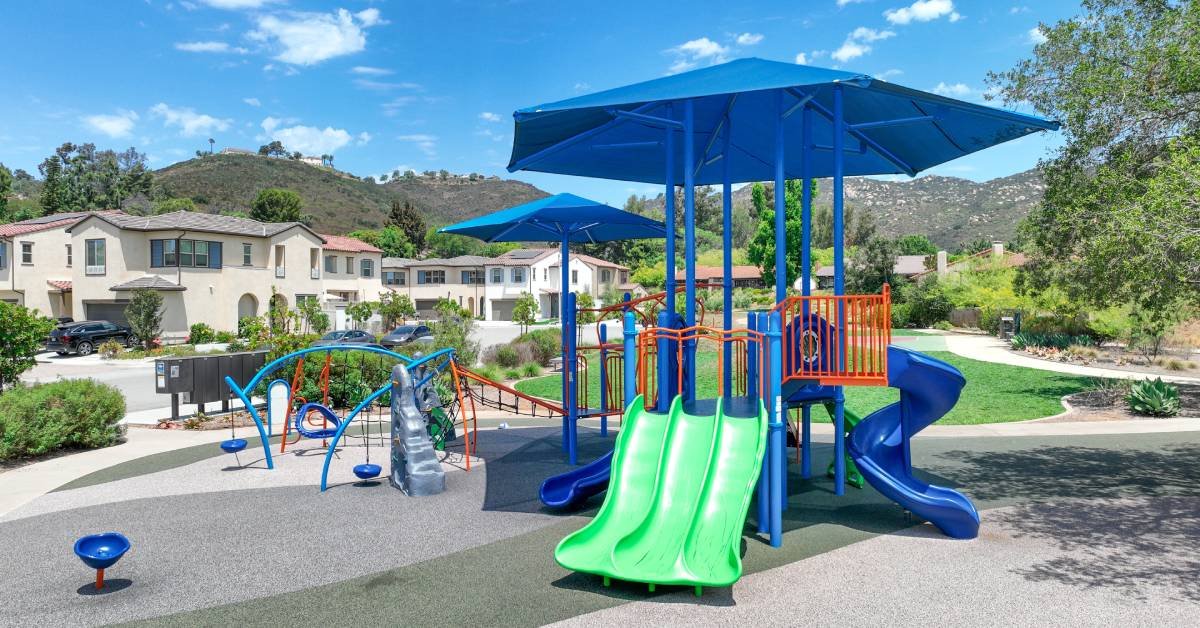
617	133
558	218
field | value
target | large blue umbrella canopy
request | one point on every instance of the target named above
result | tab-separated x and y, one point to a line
891	129
558	218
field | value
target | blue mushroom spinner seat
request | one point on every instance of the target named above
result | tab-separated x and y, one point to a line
101	551
233	445
367	471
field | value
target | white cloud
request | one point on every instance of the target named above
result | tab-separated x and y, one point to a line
1036	36
922	11
749	39
310	38
850	49
842	3
119	124
234	5
691	53
253	102
952	89
886	74
370	17
862	33
209	46
488	116
1019	9
310	140
427	143
801	58
582	86
188	121
385	85
362	138
858	43
369	71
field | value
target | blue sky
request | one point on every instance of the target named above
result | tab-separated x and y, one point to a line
387	85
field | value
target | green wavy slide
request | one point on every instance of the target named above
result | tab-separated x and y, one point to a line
677	499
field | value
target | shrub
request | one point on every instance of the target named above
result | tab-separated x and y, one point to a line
1083	351
943	325
38	419
144	313
900	315
531	369
1025	340
546	344
201	333
22	332
507	357
109	349
927	302
224	336
512	374
490	371
1153	398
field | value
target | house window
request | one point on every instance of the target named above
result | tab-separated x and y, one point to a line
280	259
545	274
331	264
3	255
186	248
69	259
518	275
201	256
431	277
349	265
94	252
497	275
170	252
302	299
394	278
624	276
472	277
574	276
368	268
247	249
26	252
605	275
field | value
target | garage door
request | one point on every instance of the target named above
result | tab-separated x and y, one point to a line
112	311
503	310
426	307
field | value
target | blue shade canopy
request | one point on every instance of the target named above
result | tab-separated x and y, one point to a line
551	218
891	129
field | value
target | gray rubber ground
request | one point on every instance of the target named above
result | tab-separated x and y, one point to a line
482	553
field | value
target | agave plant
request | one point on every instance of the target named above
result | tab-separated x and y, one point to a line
1153	398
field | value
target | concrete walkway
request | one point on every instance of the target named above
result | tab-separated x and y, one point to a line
991	349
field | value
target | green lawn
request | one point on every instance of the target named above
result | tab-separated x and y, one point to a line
995	393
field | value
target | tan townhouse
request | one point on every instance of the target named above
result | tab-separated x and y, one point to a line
427	281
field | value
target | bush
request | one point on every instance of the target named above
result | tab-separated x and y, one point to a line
900	315
546	344
1153	398
507	357
490	371
38	419
531	369
927	302
1025	340
943	325
225	336
22	332
201	333
144	313
109	349
512	374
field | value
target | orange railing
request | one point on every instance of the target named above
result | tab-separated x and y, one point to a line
646	308
679	339
837	340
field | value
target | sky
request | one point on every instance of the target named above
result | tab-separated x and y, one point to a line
387	85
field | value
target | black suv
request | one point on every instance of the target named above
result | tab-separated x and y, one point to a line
83	337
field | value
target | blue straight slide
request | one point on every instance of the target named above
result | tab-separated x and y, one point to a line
879	444
573	488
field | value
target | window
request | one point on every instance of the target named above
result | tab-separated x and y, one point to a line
605	275
331	264
94	251
280	259
518	275
368	268
431	277
624	276
497	275
201	254
26	252
3	255
69	260
545	274
574	276
349	265
247	250
394	278
190	253
186	248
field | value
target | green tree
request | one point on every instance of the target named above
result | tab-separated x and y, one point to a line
872	265
583	303
650	277
525	311
360	312
144	313
169	205
915	245
310	313
450	245
389	239
6	185
276	149
496	249
277	205
22	332
54	197
453	329
408	220
1120	222
394	308
761	250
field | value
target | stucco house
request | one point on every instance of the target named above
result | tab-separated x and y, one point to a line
37	263
459	279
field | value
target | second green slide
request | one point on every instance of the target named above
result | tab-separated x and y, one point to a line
677	499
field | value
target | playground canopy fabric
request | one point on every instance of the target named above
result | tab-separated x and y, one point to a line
550	219
890	129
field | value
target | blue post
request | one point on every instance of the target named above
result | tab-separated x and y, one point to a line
806	270
727	258
756	322
566	324
665	373
780	206
629	371
689	244
669	213
839	288
572	389
775	426
603	380
839	441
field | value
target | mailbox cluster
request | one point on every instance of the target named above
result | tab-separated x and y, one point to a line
201	379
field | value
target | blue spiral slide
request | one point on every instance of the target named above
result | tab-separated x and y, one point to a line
879	444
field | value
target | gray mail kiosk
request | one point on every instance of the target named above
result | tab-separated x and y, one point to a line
201	379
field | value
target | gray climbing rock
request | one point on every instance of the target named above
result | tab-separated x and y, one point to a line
415	466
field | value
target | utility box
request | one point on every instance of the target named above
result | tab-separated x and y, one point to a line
173	375
201	379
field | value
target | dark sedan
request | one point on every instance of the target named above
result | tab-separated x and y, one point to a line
345	337
405	334
83	337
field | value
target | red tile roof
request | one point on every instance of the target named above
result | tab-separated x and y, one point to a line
348	244
62	285
714	273
45	223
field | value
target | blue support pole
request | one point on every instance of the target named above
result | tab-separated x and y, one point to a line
572	404
780	206
629	371
665	372
776	449
839	288
806	141
566	324
689	244
755	322
603	331
669	215
727	258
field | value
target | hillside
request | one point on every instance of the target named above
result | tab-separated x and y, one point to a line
338	203
949	210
